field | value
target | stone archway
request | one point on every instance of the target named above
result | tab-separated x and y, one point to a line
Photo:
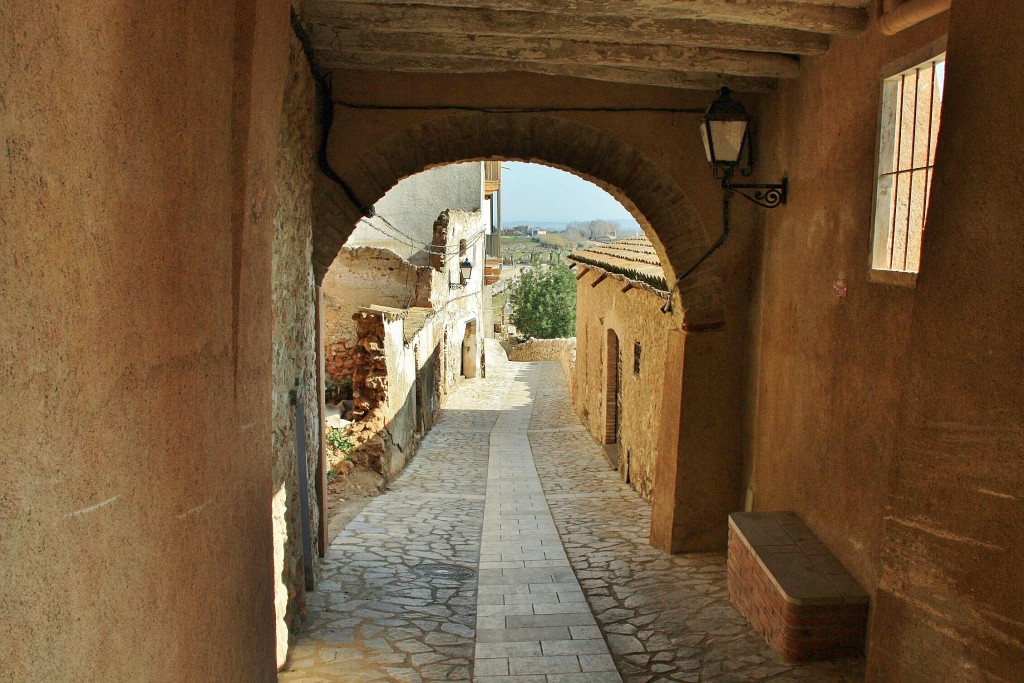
698	470
649	192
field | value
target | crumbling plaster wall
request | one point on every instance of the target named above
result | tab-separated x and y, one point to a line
458	305
414	206
400	410
294	343
139	148
890	418
634	316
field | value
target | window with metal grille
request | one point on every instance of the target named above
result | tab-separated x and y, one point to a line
636	358
911	111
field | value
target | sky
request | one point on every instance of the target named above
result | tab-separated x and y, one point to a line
531	192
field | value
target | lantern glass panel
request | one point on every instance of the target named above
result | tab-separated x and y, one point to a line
727	138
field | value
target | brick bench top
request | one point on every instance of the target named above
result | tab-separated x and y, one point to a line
798	564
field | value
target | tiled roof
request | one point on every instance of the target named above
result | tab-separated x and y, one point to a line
633	258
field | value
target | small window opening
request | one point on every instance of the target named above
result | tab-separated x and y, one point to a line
911	112
462	248
636	358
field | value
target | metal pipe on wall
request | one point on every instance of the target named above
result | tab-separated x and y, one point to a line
898	16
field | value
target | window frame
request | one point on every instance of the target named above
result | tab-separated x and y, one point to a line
926	53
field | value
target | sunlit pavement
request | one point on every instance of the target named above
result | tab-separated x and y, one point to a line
566	590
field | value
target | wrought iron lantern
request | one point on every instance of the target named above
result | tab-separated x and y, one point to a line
465	270
725	130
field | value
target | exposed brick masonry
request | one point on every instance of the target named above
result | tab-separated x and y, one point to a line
792	590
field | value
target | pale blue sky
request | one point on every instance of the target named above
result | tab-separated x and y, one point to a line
531	192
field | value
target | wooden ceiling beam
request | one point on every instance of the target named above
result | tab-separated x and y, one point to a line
817	16
362	61
555	51
528	24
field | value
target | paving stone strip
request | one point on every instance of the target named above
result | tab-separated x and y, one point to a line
533	623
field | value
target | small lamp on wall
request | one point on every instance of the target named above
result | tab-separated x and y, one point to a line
725	130
465	271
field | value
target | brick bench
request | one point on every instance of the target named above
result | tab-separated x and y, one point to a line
790	587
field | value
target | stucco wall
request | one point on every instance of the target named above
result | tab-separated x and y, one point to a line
139	151
634	316
294	343
415	205
889	418
825	376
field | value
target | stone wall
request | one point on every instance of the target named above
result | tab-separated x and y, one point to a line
634	316
139	155
365	363
368	275
562	351
294	342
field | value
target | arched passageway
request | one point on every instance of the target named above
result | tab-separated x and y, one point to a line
699	462
651	194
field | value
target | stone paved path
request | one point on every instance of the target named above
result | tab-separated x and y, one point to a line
400	598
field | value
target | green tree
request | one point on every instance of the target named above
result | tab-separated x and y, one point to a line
544	302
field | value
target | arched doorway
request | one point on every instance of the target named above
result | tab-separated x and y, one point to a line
613	398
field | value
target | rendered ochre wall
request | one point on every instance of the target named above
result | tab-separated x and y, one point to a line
136	202
634	316
890	418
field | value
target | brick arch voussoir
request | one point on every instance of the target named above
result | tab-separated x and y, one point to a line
649	192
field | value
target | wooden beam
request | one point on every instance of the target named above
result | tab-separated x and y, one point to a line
583	271
600	278
361	61
555	51
526	24
818	16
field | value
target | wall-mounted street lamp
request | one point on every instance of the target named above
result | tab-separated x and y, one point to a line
725	130
465	271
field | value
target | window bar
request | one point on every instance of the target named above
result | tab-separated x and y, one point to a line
913	152
930	157
894	200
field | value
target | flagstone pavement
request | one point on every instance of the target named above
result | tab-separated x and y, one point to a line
509	552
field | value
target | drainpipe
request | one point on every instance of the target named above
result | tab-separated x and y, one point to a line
897	15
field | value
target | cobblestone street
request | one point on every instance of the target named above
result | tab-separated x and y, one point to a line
508	551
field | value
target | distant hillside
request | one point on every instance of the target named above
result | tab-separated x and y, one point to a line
627	225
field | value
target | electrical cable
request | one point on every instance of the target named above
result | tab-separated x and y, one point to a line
322	82
667	308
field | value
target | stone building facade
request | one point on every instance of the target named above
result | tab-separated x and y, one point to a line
404	328
620	353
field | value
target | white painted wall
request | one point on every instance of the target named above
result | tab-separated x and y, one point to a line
414	204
